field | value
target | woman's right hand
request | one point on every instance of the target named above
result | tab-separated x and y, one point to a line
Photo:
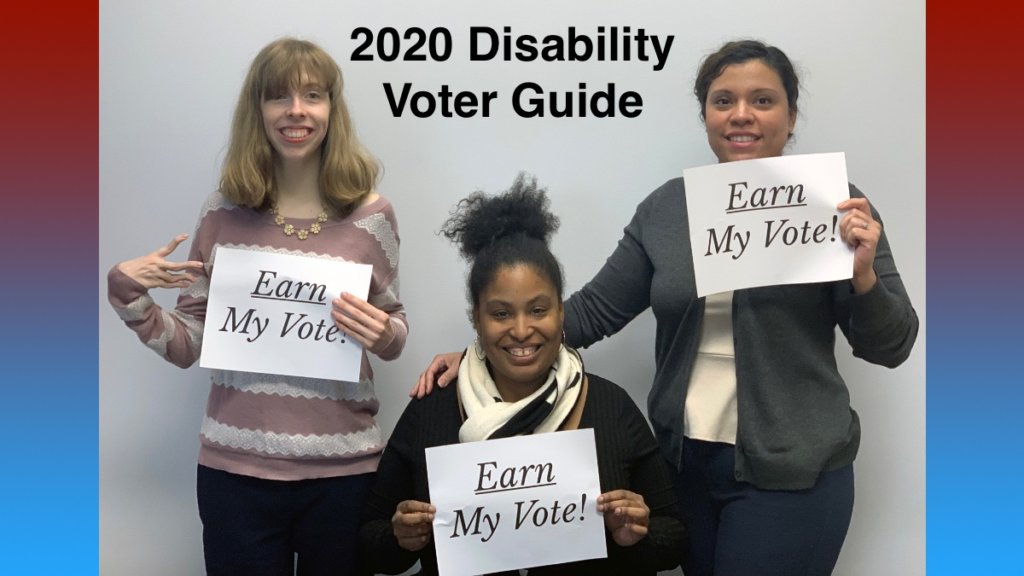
626	516
154	271
412	524
443	369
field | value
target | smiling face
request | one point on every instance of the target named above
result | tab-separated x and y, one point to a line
296	120
518	319
747	115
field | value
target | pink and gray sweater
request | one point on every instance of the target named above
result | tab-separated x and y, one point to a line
266	425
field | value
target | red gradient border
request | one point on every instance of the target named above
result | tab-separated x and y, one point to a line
975	288
48	332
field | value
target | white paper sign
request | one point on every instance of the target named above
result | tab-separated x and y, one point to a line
271	313
516	502
768	221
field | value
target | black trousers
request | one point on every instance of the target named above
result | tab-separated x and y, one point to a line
737	529
257	527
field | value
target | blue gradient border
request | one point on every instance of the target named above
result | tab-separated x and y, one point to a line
48	332
975	400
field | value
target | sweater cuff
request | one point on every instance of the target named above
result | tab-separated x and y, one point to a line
872	308
122	289
397	343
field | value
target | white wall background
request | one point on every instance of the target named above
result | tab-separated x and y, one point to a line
169	77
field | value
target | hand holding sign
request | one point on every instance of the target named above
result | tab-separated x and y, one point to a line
412	524
860	230
364	322
625	516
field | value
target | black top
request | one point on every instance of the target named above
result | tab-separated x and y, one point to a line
627	458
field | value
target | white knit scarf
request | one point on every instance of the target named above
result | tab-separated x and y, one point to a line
487	415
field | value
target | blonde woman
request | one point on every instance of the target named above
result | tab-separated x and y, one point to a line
284	462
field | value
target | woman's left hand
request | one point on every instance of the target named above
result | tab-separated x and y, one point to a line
625	516
862	232
367	324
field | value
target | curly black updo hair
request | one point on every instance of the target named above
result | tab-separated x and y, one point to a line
508	229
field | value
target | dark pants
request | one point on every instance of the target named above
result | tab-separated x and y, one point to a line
256	527
737	529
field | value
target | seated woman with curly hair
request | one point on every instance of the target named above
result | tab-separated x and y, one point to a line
519	378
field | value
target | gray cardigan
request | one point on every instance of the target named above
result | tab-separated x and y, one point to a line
794	413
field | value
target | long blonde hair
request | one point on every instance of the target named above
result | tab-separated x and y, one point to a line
347	171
